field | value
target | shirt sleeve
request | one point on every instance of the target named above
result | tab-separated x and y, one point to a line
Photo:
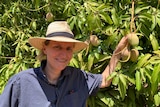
93	81
9	97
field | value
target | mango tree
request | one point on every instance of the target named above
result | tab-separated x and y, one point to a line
101	23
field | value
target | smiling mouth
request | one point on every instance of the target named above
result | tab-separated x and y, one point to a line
62	60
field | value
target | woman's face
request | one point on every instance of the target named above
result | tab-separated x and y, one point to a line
58	54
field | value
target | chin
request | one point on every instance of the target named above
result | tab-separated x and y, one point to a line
61	66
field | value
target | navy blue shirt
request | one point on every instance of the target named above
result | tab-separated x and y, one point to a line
31	88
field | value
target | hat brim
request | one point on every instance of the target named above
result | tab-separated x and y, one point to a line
38	42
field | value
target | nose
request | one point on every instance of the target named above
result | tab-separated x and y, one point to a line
63	53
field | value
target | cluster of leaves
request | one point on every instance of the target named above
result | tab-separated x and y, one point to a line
20	20
134	83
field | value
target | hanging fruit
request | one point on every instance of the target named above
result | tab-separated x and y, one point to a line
134	55
94	40
49	17
133	39
129	52
125	55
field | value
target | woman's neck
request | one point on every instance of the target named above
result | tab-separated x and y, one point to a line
52	74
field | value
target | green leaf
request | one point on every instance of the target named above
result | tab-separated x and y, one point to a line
114	17
115	80
74	62
154	42
37	3
154	59
157	52
154	22
94	21
80	57
157	99
141	8
130	79
155	78
122	90
145	16
102	6
100	103
72	21
138	81
158	21
142	72
34	25
97	55
105	100
123	80
112	75
93	4
145	30
143	60
106	17
90	61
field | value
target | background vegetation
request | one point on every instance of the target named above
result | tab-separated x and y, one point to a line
135	84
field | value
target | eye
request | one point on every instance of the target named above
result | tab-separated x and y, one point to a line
70	49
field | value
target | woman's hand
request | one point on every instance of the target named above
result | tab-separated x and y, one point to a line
113	62
121	45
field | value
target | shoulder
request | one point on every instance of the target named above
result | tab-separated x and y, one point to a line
29	73
24	73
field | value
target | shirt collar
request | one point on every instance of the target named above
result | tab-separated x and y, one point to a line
42	75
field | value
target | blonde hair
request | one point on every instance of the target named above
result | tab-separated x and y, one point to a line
41	56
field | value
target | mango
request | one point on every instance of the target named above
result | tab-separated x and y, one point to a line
94	40
125	55
134	55
49	17
133	39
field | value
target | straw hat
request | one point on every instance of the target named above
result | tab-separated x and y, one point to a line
58	31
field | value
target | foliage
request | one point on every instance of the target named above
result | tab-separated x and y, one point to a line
134	83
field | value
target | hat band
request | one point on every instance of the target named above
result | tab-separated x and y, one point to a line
66	34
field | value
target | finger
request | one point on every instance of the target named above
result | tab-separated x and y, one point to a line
121	45
124	40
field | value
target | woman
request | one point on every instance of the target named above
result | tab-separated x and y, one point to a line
54	83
